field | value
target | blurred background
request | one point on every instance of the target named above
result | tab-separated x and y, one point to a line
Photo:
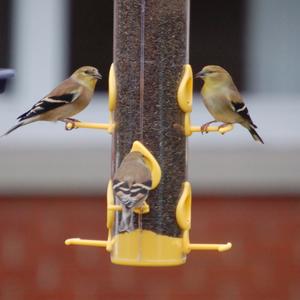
52	182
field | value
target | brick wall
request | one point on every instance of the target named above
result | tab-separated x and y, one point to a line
264	263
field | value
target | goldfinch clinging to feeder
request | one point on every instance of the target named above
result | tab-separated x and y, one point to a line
223	100
131	185
65	101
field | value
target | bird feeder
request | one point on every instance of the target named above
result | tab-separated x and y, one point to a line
150	101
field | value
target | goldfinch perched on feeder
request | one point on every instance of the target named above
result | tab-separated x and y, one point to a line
65	101
131	185
223	100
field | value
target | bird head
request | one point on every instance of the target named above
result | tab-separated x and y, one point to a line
134	156
87	75
213	74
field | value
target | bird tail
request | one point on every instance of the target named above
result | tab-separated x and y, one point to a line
126	224
22	123
255	135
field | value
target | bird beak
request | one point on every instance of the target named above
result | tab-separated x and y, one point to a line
200	74
97	75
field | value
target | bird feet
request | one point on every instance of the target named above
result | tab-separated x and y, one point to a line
70	123
204	127
220	128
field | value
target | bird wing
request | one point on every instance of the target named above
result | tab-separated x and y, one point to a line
67	92
237	105
130	196
132	180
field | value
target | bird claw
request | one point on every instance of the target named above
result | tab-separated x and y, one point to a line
70	124
204	128
223	126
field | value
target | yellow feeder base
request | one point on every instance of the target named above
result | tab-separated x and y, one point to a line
146	248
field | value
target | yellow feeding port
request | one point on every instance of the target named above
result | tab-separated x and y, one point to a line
185	89
146	248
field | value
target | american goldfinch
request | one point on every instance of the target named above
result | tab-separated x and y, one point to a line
131	185
223	100
66	100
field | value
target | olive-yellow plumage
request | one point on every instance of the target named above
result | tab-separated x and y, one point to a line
65	101
223	100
